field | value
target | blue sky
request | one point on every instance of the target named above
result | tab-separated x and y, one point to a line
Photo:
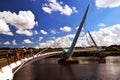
53	23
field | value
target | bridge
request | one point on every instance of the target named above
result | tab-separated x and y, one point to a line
30	69
54	71
66	58
12	68
39	65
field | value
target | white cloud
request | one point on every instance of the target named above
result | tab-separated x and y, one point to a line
101	25
27	41
63	42
36	47
47	10
48	43
25	32
74	9
43	32
104	37
59	42
14	42
23	21
35	32
67	10
4	28
54	5
53	37
6	43
65	28
108	36
40	38
53	31
107	3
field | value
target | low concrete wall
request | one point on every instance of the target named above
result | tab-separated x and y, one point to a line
7	73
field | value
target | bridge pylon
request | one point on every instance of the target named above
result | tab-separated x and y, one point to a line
67	56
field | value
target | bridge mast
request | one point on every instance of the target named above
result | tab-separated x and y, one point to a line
70	52
101	55
67	57
93	40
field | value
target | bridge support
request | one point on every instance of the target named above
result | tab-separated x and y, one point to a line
67	56
69	60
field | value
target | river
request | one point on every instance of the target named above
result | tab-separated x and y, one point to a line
89	68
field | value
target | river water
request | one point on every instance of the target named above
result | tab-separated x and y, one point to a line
89	68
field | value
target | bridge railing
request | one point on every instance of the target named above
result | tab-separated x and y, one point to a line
12	60
13	55
9	56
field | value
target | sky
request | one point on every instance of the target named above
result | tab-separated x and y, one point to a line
53	23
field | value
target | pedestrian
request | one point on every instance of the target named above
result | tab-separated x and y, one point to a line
24	51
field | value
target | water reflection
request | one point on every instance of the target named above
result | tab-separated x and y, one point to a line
85	60
113	59
67	71
102	60
90	68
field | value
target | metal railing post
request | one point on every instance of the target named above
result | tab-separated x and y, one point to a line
8	59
